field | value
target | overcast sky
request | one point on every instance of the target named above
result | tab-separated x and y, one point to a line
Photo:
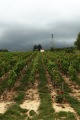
24	23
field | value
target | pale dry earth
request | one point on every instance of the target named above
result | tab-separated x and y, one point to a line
59	107
4	106
73	86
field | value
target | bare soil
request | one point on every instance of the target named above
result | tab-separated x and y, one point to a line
32	99
4	106
57	106
4	77
7	95
73	86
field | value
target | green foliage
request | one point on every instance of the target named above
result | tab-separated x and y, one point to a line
32	112
72	72
55	62
65	65
77	43
45	108
33	70
64	116
51	65
14	113
59	98
20	97
74	103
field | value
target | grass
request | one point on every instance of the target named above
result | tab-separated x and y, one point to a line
45	109
14	113
77	80
20	97
64	116
72	100
67	115
74	103
32	113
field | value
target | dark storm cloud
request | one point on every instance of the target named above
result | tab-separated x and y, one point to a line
22	38
66	29
24	23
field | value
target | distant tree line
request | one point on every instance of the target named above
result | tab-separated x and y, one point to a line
37	47
67	49
3	50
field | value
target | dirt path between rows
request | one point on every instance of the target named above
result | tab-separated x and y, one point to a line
73	86
4	106
7	97
32	99
57	106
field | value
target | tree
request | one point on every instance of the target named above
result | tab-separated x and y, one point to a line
77	42
35	47
39	47
3	50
